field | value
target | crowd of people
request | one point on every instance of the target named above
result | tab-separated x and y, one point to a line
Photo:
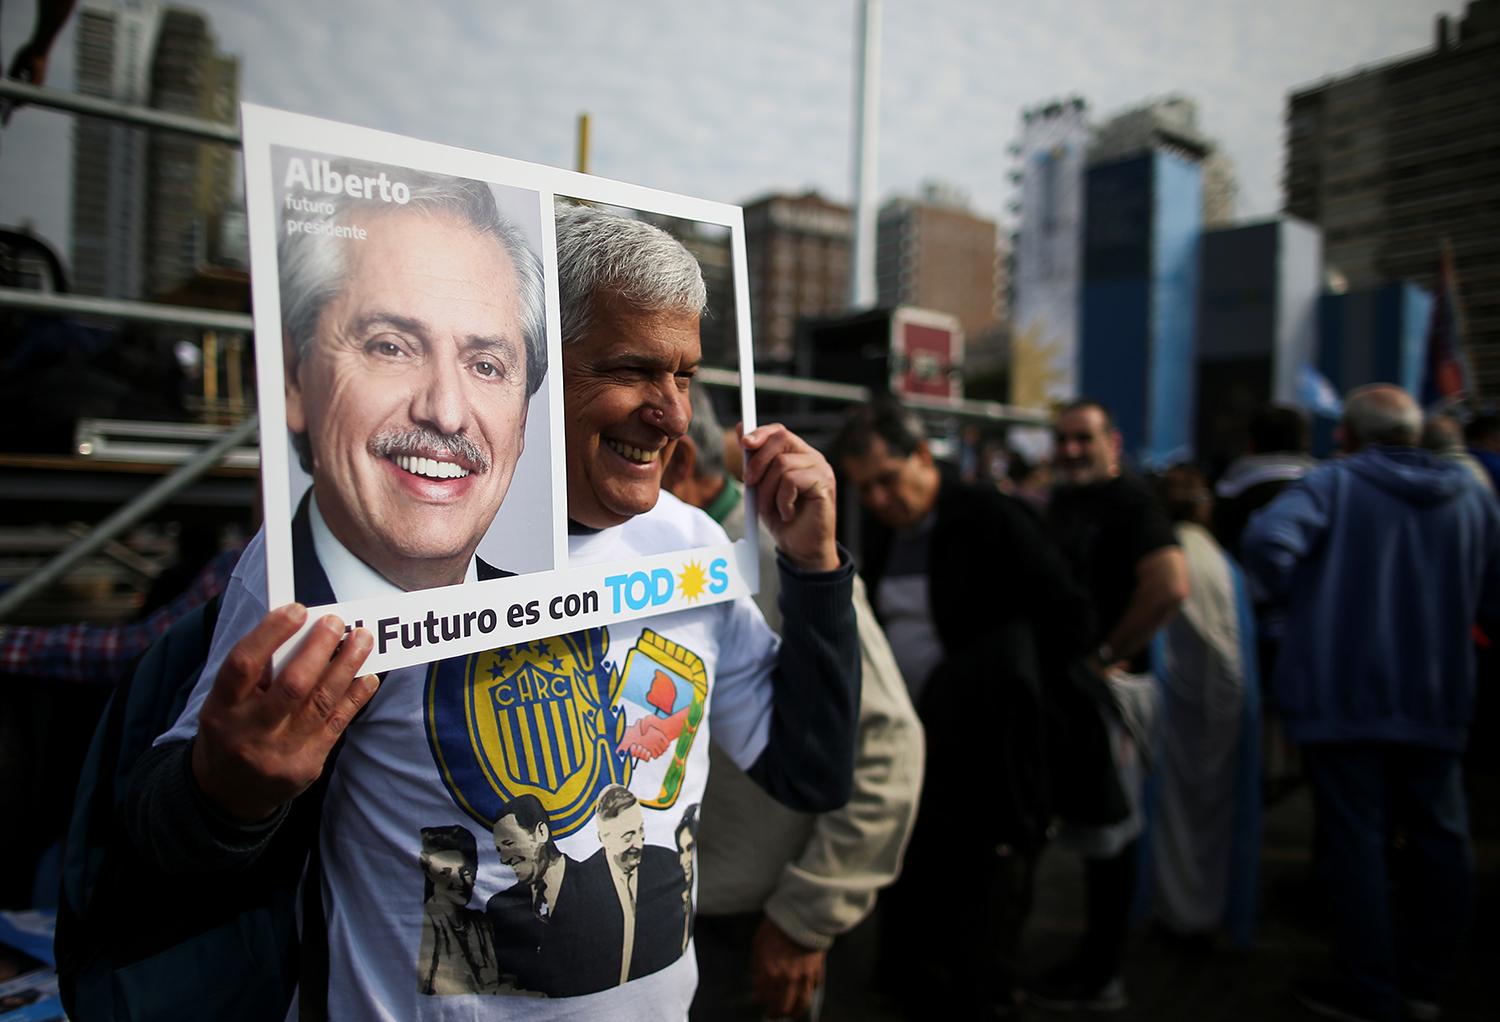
1071	661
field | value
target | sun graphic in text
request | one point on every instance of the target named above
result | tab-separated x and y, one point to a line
692	581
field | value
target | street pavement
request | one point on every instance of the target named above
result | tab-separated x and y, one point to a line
1171	981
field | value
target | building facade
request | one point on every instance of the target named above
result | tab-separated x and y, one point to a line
934	253
1394	161
115	45
1170	124
148	207
799	249
189	187
1138	316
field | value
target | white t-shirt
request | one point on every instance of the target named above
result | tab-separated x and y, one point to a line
441	748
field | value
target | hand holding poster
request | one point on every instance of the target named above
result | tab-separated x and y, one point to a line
409	336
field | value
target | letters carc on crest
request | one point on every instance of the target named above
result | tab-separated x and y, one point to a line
547	718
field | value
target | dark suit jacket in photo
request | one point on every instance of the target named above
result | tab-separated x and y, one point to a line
309	581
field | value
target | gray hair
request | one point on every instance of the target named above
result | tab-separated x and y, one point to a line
1443	435
613	801
601	253
707	436
312	264
1381	413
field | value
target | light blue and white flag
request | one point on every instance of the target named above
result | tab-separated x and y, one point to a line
1316	394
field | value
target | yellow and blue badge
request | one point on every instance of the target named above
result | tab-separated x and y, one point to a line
548	718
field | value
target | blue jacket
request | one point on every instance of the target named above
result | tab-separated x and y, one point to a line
1384	560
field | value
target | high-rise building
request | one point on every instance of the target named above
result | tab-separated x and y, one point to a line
188	186
115	45
147	205
798	248
935	253
1170	124
1393	161
1056	151
1138	314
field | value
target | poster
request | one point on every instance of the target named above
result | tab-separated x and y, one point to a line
415	464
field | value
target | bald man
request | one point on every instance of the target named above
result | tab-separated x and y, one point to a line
1384	559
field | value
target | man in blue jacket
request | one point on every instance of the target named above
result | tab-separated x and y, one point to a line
1384	559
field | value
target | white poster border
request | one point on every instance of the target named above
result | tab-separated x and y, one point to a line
523	607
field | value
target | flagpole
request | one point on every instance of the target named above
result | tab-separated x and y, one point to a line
866	155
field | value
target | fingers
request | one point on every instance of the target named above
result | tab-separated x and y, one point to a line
787	990
784	993
360	691
339	694
783	468
799	996
764	445
303	670
780	493
248	665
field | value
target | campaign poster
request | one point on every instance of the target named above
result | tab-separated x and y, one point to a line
414	448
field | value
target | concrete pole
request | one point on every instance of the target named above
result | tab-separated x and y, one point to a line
866	154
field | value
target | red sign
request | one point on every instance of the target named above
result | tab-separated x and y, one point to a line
928	350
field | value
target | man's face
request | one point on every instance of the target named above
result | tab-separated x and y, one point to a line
625	386
521	849
413	396
1086	450
898	491
623	839
452	878
685	845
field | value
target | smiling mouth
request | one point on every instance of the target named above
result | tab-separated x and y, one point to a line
636	454
429	468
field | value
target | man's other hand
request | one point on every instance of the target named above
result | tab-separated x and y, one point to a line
262	737
784	975
794	492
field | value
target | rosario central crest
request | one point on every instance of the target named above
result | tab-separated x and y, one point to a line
549	718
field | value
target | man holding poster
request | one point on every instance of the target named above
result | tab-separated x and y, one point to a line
414	333
601	732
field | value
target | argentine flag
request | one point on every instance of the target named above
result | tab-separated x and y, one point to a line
1316	394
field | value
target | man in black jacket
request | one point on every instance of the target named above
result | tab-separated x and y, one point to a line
981	614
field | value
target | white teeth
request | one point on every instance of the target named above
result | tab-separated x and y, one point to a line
635	454
430	467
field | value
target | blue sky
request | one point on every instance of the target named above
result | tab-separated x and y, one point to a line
732	100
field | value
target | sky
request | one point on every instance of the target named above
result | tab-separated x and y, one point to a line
732	100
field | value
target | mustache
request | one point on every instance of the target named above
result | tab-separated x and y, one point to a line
420	441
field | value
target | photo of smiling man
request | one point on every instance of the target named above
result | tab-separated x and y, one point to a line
414	344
